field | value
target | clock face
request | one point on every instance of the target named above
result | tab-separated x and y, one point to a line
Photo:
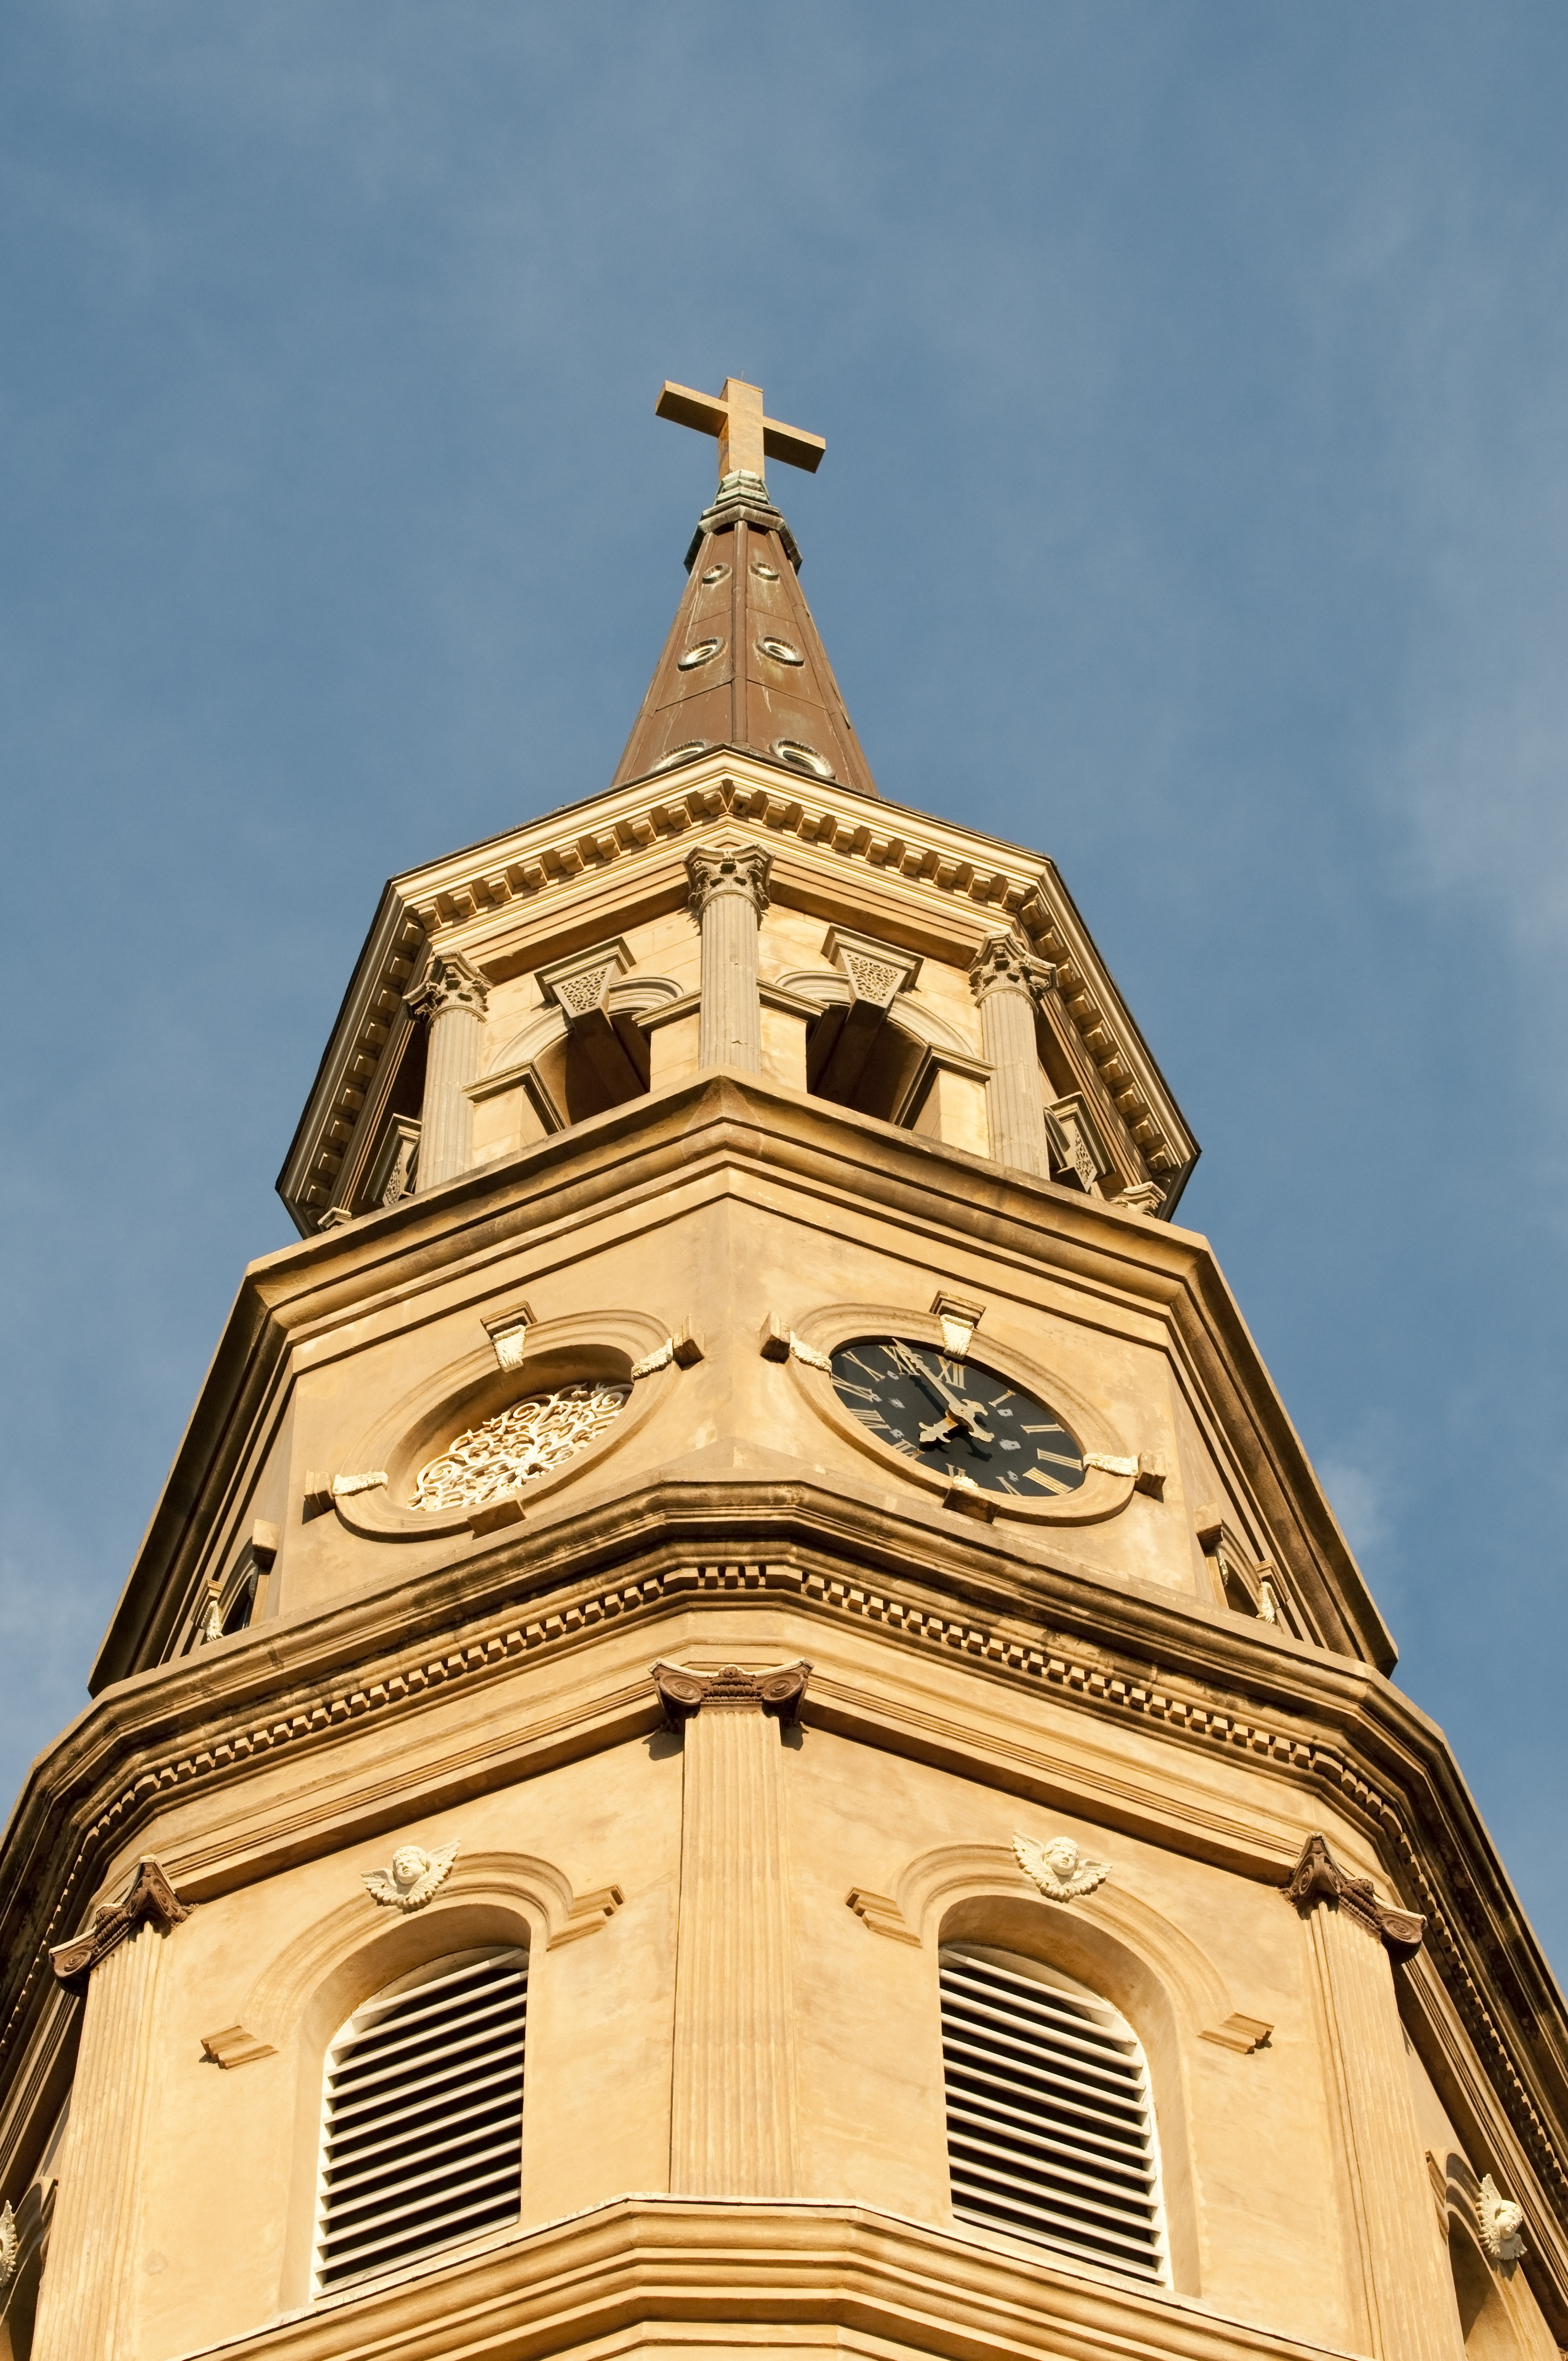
956	1419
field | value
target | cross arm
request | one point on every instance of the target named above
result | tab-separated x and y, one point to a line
701	411
793	445
735	417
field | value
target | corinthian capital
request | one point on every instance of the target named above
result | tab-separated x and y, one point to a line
449	982
729	868
1002	964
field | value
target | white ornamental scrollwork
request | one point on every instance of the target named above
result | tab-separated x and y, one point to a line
527	1441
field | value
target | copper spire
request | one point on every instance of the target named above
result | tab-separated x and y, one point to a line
744	665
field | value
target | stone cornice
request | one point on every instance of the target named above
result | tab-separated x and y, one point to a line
515	898
797	2272
371	1014
1318	1726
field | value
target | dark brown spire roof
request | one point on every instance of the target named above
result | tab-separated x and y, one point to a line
744	665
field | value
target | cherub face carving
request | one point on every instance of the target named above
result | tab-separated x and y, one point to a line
1059	1868
412	1878
1501	2219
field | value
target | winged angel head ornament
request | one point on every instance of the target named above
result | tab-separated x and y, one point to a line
1061	1869
1501	2219
412	1878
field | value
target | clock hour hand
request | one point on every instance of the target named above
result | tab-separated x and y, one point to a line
942	1430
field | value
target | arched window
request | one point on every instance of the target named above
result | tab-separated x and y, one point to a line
421	2133
1484	2321
1050	2119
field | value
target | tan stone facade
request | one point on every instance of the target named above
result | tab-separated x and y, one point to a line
751	1721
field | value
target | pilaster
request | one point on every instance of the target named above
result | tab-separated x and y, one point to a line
1394	2268
1007	981
732	2094
86	2301
451	1001
728	898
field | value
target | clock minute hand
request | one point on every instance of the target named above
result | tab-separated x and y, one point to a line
959	1412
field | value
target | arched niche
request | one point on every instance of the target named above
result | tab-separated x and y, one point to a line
310	1987
1486	2322
559	1068
1166	1987
900	1062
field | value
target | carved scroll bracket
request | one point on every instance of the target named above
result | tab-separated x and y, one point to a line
151	1899
684	1693
1317	1877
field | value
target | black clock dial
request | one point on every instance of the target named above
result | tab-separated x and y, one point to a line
955	1418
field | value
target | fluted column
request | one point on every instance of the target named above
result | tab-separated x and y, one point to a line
451	1000
732	2094
85	2301
1007	980
1393	2266
729	896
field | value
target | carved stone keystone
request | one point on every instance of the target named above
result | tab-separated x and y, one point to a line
580	988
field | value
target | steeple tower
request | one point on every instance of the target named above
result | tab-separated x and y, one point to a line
742	1724
743	666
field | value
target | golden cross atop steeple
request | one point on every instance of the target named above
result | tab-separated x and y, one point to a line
745	436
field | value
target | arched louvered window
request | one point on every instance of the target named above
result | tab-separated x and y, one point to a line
1050	2121
422	2136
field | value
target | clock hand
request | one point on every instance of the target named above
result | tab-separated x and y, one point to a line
959	1414
942	1430
906	1361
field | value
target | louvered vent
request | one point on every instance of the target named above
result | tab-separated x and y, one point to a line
421	2144
1050	2127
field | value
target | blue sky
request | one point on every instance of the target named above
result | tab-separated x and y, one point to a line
1195	377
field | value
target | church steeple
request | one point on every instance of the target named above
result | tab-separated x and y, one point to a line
744	665
742	1711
